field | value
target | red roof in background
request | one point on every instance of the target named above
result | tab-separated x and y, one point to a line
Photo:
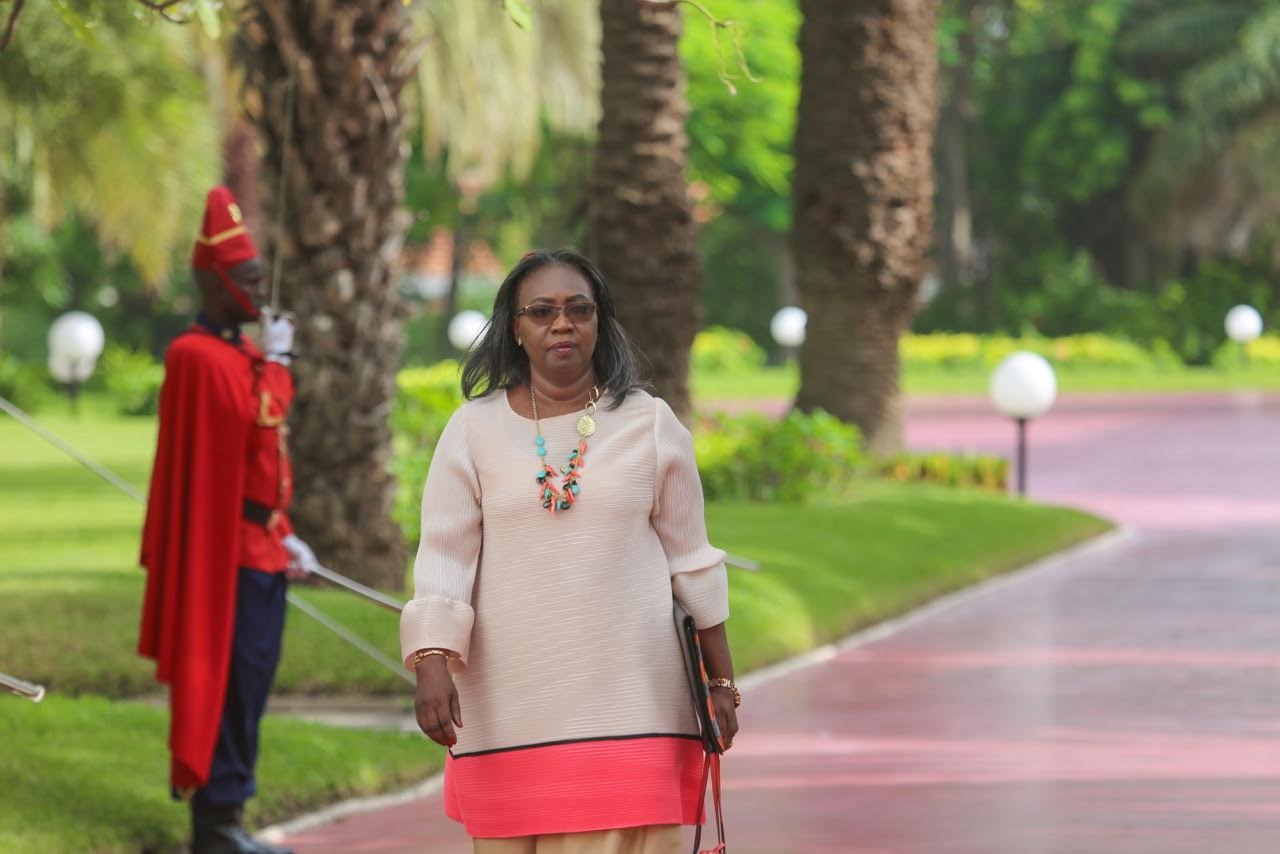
435	257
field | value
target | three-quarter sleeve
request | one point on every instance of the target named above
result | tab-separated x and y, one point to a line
698	576
440	614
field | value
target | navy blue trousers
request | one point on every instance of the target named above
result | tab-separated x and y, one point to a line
255	652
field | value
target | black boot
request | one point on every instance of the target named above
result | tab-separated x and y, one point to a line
217	830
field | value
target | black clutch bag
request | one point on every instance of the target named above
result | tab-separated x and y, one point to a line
699	683
710	729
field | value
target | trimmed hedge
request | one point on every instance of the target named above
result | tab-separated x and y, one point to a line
1260	351
720	350
967	470
966	351
427	398
756	458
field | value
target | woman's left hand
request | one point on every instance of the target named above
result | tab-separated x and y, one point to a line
726	715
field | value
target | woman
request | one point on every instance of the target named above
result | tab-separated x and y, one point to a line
561	511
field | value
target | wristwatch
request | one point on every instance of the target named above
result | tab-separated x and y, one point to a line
727	683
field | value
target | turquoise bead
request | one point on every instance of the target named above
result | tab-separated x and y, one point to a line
541	441
574	488
542	452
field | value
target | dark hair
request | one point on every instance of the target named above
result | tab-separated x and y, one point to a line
497	362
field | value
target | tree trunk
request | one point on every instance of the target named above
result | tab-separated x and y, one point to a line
344	225
641	231
863	193
955	232
240	173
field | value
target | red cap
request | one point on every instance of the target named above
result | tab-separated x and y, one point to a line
224	240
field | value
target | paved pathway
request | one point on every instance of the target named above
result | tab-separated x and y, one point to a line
1125	698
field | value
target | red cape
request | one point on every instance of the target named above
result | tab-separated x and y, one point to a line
190	543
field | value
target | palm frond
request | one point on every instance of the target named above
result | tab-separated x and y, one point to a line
1229	94
486	84
1229	90
116	129
1187	29
1261	40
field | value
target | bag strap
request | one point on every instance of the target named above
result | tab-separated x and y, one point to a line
710	774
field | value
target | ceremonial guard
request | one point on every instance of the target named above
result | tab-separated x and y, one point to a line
217	545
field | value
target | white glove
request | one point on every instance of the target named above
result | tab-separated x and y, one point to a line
277	337
300	554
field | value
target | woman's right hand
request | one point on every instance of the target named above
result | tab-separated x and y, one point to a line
435	703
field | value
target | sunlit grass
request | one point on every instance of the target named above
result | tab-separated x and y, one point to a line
90	774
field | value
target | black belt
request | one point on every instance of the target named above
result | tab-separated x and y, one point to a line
258	514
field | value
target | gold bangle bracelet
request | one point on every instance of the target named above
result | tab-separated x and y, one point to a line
426	653
728	684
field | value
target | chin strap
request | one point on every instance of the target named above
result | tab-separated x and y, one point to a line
240	296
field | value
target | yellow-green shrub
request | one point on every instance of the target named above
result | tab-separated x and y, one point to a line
427	398
1260	351
966	351
968	470
720	350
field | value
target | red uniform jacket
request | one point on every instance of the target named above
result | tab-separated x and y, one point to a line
218	446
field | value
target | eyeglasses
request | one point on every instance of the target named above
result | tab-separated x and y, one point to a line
543	314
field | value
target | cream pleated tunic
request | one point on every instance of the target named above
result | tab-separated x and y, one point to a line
576	708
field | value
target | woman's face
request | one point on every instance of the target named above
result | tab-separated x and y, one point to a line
559	343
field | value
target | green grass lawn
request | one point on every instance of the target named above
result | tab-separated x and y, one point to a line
89	774
70	587
84	773
782	382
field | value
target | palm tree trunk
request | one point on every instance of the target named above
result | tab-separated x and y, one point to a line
240	165
641	231
863	193
338	247
955	206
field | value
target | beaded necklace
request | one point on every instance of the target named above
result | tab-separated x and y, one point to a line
562	498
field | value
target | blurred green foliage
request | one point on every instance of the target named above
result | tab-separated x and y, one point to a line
132	380
427	399
798	458
22	384
963	470
718	350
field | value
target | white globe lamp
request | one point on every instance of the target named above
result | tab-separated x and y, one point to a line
465	328
1244	324
788	326
75	343
1023	387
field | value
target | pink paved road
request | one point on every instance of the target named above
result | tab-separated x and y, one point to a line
1122	699
1174	461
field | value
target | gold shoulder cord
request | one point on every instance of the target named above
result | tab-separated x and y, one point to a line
265	418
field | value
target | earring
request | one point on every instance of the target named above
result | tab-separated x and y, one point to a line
519	342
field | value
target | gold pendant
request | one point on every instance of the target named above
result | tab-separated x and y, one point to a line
586	426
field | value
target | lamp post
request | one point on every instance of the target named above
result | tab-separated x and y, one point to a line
788	328
465	328
75	343
1243	324
1023	386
